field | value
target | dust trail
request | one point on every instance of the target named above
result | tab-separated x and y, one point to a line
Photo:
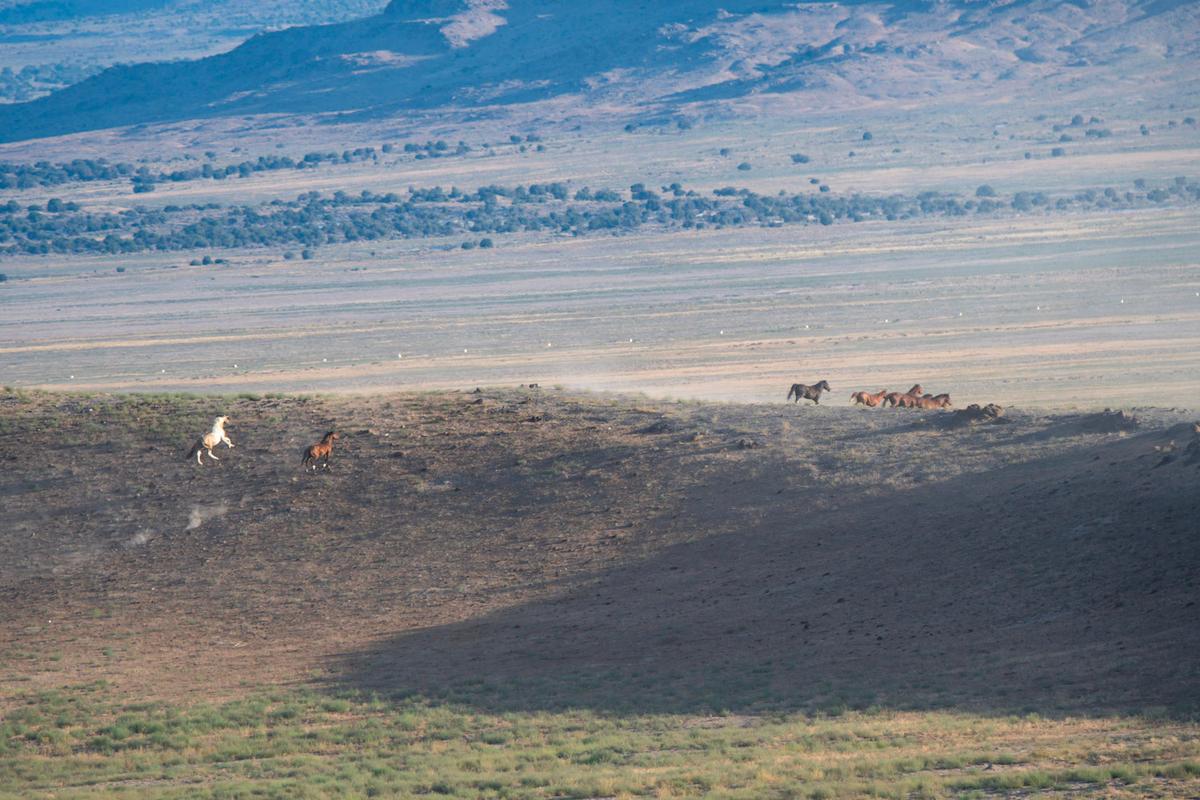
201	514
140	538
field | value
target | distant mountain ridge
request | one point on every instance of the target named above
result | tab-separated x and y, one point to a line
637	56
16	13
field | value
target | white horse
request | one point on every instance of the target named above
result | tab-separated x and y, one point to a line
208	441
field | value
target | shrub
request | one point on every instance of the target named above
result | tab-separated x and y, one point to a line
744	166
486	243
306	254
800	158
1057	152
120	269
867	136
985	191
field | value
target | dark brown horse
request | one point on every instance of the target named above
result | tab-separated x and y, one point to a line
319	451
867	399
803	391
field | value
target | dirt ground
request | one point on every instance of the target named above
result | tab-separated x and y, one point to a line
605	551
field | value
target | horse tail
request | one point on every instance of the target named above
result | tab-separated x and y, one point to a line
792	391
195	449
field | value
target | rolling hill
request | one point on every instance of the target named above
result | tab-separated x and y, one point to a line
608	552
660	61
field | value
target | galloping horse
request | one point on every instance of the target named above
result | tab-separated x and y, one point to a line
813	392
894	399
867	399
319	451
208	441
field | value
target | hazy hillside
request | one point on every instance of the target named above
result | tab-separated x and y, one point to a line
656	60
45	10
46	45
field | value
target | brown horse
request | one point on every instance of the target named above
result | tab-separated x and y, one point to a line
894	399
867	399
319	451
803	391
934	401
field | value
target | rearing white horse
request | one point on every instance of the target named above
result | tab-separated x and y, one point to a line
208	441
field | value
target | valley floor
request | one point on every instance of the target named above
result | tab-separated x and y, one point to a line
1072	310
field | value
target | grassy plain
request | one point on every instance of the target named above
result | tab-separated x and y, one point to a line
1046	311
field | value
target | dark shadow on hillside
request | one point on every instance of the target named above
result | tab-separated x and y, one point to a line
1060	586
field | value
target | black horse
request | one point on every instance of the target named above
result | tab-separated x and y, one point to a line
809	392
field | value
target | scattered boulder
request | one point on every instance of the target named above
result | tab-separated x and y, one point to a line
1108	421
1191	453
975	414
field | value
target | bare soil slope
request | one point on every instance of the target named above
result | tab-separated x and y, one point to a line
532	549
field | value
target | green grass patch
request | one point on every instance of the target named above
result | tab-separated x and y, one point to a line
83	741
